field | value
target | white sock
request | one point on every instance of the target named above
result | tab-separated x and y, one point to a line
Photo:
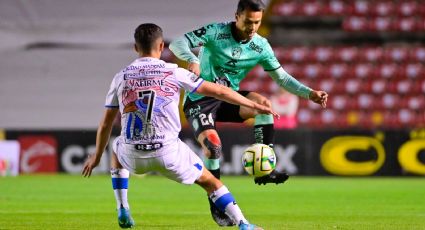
224	201
120	186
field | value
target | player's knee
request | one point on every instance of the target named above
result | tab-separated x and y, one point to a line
213	144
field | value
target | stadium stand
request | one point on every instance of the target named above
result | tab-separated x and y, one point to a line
369	56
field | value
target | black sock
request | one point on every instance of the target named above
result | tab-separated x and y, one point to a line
264	134
215	172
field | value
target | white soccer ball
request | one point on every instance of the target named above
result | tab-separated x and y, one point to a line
259	160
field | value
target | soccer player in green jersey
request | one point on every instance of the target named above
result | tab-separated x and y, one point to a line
228	52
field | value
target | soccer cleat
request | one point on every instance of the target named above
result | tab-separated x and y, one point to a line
124	218
246	226
274	177
221	218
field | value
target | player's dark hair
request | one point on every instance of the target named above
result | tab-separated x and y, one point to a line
254	5
145	36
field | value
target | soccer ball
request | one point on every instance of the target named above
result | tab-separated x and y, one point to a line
259	160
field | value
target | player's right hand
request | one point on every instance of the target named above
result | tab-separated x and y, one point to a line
89	165
266	110
194	68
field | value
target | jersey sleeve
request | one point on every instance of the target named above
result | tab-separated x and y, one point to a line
202	35
188	80
269	61
112	97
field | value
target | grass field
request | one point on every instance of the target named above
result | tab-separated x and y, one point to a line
73	202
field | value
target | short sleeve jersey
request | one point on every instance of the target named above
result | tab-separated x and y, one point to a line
147	93
225	60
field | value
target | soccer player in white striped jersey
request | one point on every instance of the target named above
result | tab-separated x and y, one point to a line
147	94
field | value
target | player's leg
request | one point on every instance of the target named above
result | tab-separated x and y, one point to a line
263	133
201	116
120	176
223	199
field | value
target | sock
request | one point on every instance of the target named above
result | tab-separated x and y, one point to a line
264	130
213	165
224	201
120	186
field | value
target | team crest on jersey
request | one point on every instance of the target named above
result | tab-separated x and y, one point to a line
236	52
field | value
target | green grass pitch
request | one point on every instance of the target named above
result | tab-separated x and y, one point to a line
73	202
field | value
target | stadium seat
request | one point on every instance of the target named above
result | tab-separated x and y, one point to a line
388	101
364	101
355	24
322	54
415	102
371	54
311	8
327	85
407	8
346	54
364	70
379	86
404	86
383	8
395	54
388	70
294	70
409	24
361	7
313	71
335	8
417	54
298	54
413	71
287	8
337	71
380	24
353	86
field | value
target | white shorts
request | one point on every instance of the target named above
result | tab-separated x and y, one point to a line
176	161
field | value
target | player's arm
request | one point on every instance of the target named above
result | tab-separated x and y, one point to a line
226	94
181	46
292	85
102	139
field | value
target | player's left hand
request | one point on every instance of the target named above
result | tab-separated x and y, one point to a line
89	165
319	97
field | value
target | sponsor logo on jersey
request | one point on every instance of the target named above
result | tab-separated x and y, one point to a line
226	71
147	66
255	47
222	81
223	36
236	52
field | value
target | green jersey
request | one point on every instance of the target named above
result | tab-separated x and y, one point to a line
226	61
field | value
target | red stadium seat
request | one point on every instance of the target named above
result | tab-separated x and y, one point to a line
380	24
389	101
406	117
337	71
396	54
364	70
417	54
346	54
322	54
313	71
407	8
335	8
413	71
294	70
327	85
361	7
379	86
354	24
298	54
371	54
287	8
409	24
312	8
339	102
390	70
353	86
365	101
416	102
404	86
383	8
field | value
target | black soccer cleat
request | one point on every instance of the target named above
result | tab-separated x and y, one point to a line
221	218
274	177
